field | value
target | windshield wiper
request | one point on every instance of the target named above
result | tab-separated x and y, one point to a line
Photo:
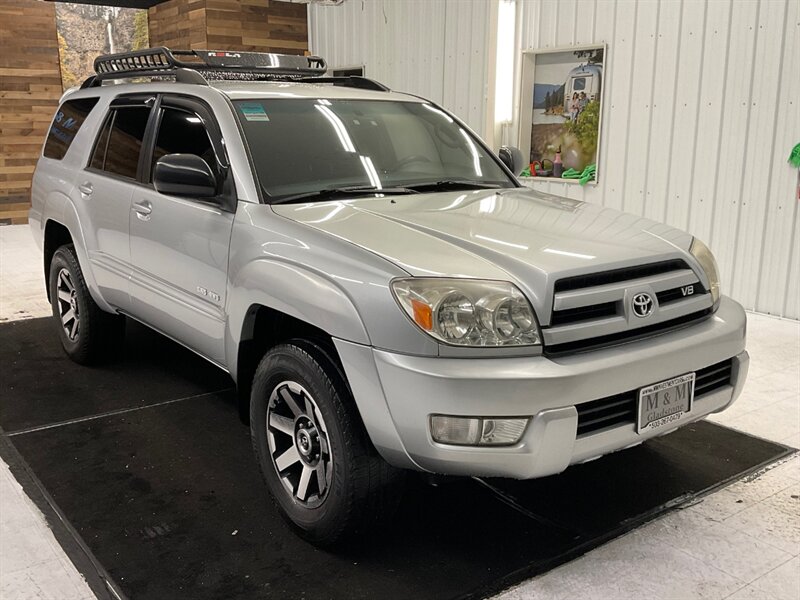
353	190
446	184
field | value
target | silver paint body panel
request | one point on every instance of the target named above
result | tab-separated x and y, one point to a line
195	273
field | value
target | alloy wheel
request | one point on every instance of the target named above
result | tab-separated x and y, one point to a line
298	444
68	309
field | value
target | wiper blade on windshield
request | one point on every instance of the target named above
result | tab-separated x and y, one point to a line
446	184
353	190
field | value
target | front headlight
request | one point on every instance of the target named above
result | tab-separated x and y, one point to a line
706	259
469	312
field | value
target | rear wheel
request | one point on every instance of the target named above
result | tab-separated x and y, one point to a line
87	333
318	463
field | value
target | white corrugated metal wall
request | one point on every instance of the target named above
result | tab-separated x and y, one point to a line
426	47
700	109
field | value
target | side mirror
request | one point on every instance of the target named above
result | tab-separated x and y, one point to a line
184	175
512	158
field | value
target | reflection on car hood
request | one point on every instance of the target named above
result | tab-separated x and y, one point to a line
495	234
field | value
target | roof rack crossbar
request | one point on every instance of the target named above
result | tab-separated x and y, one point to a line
161	61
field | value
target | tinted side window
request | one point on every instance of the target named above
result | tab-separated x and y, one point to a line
182	132
66	123
100	146
125	141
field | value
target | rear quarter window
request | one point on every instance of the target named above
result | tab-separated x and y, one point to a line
66	123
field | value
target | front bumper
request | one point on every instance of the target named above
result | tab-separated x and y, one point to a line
548	389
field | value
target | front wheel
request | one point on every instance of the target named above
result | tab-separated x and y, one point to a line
318	463
87	333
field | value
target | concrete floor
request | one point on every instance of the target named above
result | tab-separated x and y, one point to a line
742	542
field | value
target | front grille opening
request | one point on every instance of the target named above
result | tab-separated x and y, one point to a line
714	377
617	275
584	313
624	337
606	412
621	408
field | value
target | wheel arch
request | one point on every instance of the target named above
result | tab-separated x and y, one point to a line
285	295
270	302
55	236
263	328
60	216
261	315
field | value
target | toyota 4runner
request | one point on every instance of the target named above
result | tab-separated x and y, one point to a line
381	288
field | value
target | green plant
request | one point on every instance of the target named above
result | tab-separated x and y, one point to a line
587	127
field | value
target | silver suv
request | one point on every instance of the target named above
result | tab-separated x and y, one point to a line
382	290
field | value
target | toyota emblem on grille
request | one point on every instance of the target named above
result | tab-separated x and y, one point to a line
643	305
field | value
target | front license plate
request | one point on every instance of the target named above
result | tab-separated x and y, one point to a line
663	403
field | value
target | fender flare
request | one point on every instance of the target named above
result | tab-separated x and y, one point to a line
304	294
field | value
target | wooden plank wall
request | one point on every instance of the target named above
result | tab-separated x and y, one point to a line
248	25
30	80
179	24
257	25
30	86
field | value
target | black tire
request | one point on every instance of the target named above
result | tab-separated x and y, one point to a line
363	491
94	335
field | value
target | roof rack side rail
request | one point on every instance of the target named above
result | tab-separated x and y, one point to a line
354	81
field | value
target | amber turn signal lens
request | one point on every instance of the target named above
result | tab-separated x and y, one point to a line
423	315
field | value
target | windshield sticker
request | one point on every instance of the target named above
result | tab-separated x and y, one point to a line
254	112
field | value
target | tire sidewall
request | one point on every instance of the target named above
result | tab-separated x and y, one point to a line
292	363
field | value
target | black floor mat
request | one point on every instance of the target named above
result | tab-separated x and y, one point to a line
148	369
169	499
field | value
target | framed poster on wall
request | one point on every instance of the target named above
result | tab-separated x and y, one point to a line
560	111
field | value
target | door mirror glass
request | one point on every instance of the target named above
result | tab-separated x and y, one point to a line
184	175
512	158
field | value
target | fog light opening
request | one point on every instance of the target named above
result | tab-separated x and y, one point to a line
476	431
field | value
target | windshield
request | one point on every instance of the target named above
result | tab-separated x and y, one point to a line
301	146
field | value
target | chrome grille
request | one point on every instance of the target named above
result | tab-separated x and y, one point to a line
593	310
621	408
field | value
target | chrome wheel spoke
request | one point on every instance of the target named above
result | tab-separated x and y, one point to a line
323	444
287	397
68	316
74	329
287	459
310	409
64	295
302	486
320	471
282	424
64	278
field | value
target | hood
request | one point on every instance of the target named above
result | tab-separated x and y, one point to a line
519	234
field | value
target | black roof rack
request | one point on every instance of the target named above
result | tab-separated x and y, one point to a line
199	66
196	66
